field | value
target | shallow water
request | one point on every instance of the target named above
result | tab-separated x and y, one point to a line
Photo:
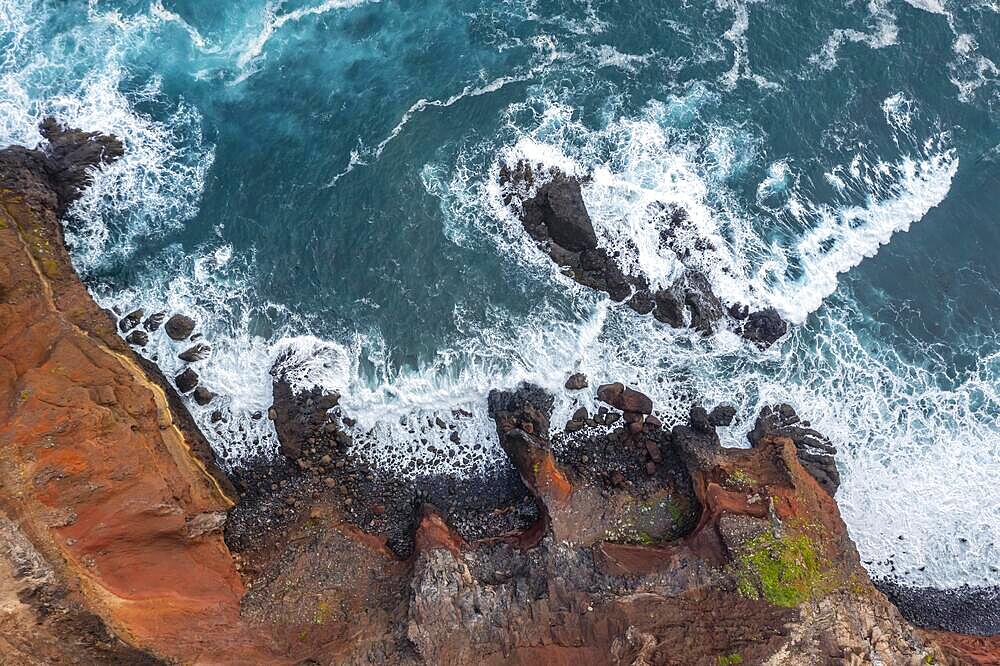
320	178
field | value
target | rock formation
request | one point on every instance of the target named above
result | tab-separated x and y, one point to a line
622	542
551	209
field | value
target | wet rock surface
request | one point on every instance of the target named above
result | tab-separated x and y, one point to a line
552	211
179	327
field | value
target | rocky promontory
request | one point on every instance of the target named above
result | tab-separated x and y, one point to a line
611	539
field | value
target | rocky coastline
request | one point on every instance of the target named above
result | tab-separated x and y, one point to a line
611	539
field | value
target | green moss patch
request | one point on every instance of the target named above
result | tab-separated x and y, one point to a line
730	659
783	571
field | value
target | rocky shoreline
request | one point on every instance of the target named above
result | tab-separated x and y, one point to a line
609	539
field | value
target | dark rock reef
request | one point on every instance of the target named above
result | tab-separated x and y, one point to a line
550	206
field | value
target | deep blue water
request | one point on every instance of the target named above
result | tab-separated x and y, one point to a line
320	178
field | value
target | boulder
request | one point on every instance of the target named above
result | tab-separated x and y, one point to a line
186	381
203	396
577	381
130	321
179	327
556	211
154	321
139	338
670	306
198	352
642	301
764	327
627	400
700	420
722	415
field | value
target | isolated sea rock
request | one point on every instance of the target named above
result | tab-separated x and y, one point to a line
130	321
154	321
552	211
179	327
138	338
577	381
764	327
203	396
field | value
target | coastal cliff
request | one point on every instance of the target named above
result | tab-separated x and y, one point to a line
608	540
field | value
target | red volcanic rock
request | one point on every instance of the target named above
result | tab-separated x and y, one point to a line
101	470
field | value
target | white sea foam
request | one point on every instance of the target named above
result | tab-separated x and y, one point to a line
737	35
157	10
364	157
159	179
884	32
273	22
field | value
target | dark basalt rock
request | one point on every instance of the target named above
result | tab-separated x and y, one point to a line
628	400
738	311
705	306
764	327
722	415
138	338
179	327
670	306
527	408
154	321
203	396
642	301
700	420
814	450
556	211
198	352
577	381
555	216
965	610
297	416
58	171
186	381
130	321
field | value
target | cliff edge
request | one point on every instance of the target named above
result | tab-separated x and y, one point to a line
611	540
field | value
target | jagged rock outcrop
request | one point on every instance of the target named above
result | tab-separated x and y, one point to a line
551	209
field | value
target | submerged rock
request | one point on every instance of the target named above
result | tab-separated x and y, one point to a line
198	352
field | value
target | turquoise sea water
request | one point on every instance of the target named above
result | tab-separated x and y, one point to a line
319	179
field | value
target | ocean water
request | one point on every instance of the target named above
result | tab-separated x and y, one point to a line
316	182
